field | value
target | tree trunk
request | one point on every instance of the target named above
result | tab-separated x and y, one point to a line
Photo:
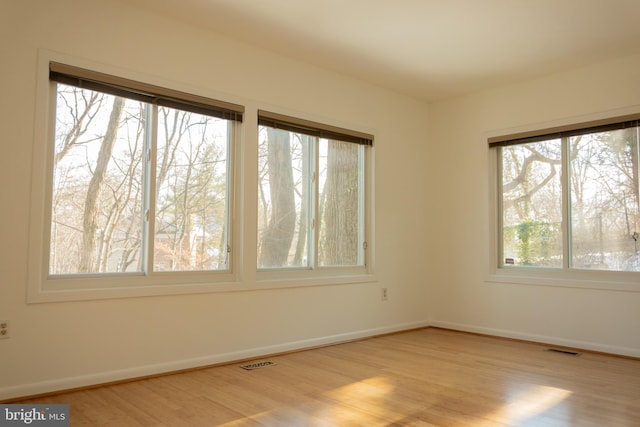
340	212
279	233
88	261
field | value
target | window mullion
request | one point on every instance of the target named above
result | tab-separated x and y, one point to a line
637	169
314	204
362	237
566	204
230	184
500	215
151	136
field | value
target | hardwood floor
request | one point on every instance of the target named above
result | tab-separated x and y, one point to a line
427	377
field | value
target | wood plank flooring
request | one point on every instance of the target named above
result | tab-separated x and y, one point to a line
427	377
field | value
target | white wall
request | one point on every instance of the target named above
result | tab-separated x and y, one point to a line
68	344
588	318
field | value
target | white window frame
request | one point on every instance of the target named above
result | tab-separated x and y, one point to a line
327	275
564	276
43	288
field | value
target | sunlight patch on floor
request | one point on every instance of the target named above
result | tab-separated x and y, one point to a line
371	388
526	403
366	402
358	403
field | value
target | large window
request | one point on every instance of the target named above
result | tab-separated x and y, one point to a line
140	178
312	207
135	192
569	198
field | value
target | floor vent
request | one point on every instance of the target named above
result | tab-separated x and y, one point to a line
567	352
256	365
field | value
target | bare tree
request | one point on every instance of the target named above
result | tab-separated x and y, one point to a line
340	206
603	198
98	186
531	199
88	261
278	235
82	106
191	192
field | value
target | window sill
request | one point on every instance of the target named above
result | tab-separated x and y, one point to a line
119	289
284	281
123	288
580	279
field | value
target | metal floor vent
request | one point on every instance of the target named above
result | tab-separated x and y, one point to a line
567	352
256	365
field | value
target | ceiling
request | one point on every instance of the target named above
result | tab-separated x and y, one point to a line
428	49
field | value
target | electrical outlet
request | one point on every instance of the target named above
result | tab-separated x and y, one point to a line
4	329
384	294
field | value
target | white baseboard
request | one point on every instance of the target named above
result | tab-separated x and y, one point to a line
68	383
546	339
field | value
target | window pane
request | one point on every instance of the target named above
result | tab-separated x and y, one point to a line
192	202
532	204
283	192
605	220
340	205
96	219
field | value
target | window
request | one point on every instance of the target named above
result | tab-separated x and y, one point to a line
568	198
313	195
140	179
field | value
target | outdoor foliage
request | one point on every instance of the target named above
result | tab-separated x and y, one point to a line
102	181
139	187
291	201
603	211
